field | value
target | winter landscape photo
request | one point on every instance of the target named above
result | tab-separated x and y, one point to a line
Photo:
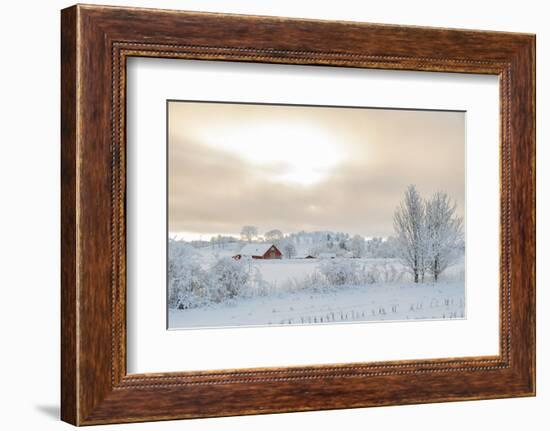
304	215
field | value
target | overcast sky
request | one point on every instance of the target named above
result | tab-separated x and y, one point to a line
305	168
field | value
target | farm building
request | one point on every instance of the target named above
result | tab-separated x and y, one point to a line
304	256
259	251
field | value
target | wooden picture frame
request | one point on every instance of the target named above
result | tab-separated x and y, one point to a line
95	43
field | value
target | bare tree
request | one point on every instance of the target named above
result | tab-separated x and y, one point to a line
409	226
273	235
248	232
358	246
444	233
289	249
214	241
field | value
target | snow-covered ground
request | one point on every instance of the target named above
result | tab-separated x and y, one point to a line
374	302
392	297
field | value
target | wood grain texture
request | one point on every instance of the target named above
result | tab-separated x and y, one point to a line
96	41
69	397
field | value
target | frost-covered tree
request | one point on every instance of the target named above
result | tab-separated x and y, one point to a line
273	235
358	246
388	248
256	286
289	249
330	242
223	240
215	241
444	234
248	232
409	226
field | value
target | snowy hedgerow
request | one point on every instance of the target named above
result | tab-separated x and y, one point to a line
340	272
312	282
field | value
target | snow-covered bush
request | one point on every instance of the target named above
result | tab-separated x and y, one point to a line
193	283
340	272
187	281
313	282
227	279
387	272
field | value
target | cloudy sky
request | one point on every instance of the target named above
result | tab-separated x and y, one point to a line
305	168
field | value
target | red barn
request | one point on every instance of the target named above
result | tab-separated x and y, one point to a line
259	251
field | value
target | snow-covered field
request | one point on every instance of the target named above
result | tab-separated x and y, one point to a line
374	302
291	296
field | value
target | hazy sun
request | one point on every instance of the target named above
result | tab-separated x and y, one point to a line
291	153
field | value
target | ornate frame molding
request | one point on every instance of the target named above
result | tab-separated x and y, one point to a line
96	41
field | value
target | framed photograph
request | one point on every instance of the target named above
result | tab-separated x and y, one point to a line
265	215
300	215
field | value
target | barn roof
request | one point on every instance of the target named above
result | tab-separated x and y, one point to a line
255	249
